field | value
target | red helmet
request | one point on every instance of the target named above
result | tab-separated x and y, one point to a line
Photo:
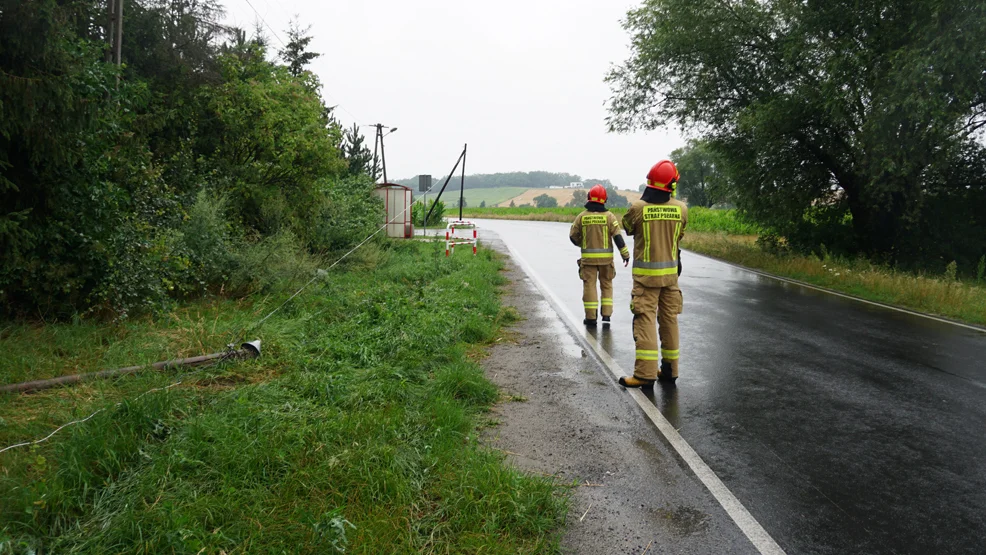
663	176
597	194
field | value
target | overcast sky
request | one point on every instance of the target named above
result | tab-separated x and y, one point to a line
520	81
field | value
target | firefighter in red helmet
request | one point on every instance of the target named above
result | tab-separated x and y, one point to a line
657	222
596	230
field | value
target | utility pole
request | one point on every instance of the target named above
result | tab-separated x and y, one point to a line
379	141
462	184
115	34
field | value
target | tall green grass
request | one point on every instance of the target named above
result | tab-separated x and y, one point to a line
356	430
943	294
699	218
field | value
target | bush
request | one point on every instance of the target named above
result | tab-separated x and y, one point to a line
264	266
348	213
207	244
418	213
545	201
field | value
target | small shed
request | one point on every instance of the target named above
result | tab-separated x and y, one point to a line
397	209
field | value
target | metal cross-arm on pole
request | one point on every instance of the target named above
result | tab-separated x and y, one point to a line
447	179
462	183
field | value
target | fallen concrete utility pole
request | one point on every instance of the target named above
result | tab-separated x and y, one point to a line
246	350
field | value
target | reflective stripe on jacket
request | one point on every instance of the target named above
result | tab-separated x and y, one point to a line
657	229
593	232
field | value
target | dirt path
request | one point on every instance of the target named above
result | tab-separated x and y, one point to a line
567	418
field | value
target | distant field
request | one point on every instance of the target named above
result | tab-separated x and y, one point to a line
501	196
563	196
699	218
474	197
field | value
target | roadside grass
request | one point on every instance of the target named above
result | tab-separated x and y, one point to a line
722	234
941	295
357	429
699	218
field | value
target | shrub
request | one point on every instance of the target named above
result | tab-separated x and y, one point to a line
418	213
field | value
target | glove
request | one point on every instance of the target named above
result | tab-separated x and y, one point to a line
625	253
679	262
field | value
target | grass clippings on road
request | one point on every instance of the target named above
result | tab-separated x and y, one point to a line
357	429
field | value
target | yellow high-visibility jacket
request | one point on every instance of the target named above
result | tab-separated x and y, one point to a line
657	230
595	232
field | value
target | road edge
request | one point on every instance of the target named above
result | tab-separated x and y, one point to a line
806	285
737	512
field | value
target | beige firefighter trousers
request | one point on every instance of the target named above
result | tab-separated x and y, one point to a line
590	299
648	304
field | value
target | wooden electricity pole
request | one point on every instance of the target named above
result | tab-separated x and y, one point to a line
378	143
115	34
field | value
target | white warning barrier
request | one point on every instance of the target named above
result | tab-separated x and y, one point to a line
451	240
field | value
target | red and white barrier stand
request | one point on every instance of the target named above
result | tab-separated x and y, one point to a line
451	240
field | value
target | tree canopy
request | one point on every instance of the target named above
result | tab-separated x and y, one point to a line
545	201
124	188
855	124
703	181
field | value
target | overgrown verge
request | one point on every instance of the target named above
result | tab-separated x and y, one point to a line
126	189
723	234
943	295
356	429
699	218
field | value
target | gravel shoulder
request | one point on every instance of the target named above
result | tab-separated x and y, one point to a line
563	416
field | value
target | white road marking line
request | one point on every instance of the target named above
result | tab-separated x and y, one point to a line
757	535
843	295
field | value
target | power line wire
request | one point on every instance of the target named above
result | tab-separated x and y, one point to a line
278	37
269	28
319	274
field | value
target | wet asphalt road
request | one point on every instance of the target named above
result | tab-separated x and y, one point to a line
842	427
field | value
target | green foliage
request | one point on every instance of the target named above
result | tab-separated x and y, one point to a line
730	222
981	269
361	417
419	211
482	204
579	198
104	186
703	181
296	54
871	108
951	270
545	201
358	155
345	212
699	219
615	199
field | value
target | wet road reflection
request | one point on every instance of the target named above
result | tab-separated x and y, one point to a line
843	427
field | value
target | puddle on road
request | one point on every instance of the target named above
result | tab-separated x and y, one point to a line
650	449
681	521
561	338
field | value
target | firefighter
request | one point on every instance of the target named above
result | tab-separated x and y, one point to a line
657	222
595	230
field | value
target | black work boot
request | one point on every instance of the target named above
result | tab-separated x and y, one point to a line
605	320
634	381
664	376
589	323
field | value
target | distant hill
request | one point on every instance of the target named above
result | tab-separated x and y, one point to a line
474	197
563	196
526	180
